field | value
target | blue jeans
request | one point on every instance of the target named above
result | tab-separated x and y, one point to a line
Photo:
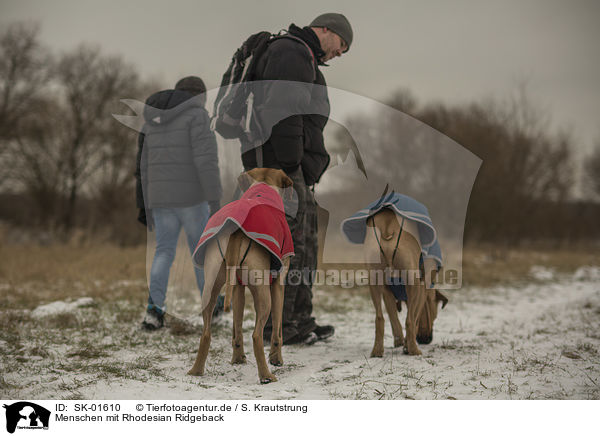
168	223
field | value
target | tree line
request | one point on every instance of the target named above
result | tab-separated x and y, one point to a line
525	190
66	162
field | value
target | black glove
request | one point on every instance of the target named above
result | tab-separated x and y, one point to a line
142	216
145	217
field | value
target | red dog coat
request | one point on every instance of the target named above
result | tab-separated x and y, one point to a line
259	213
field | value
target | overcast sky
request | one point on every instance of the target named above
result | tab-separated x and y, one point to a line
451	51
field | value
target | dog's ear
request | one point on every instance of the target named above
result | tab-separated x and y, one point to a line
285	181
245	181
441	297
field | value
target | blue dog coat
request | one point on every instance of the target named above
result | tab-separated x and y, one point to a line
354	229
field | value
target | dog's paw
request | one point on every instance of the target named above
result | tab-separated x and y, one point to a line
424	339
276	361
412	351
398	342
377	353
268	379
195	372
238	360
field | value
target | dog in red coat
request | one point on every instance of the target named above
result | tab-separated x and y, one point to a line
244	240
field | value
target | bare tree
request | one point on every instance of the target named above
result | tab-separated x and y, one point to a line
25	67
90	83
34	156
592	171
524	164
57	138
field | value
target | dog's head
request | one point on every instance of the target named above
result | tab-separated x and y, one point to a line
429	314
272	177
386	218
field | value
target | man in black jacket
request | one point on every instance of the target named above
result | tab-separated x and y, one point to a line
178	181
296	146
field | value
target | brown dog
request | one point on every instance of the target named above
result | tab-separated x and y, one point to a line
401	254
268	298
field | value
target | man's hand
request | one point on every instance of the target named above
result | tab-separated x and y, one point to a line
145	217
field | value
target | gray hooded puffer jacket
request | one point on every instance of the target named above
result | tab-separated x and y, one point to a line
177	163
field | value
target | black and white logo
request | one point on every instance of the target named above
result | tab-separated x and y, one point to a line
26	415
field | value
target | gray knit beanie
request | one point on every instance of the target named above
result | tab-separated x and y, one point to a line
338	24
192	84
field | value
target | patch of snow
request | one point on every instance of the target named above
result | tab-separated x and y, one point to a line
541	272
59	307
107	340
587	273
127	283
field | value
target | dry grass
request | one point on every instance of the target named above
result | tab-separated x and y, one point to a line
179	327
486	265
25	263
34	274
489	266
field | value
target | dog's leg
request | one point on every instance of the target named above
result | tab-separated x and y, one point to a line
239	299
416	298
198	368
379	321
262	305
392	310
277	288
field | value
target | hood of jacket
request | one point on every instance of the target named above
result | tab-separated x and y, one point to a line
310	38
164	106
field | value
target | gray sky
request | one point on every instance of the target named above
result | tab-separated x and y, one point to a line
449	51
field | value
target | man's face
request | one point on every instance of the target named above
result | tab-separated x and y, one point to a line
332	44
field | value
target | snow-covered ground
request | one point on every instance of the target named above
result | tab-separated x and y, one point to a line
538	340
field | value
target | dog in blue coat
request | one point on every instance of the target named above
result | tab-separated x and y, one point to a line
397	234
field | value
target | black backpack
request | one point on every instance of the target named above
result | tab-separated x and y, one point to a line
233	108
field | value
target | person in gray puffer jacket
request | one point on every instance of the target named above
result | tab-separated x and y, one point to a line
178	180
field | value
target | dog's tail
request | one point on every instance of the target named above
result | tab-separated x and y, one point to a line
232	263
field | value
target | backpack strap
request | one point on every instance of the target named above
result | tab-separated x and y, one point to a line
300	40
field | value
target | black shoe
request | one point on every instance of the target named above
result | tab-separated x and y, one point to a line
310	339
307	339
153	320
324	331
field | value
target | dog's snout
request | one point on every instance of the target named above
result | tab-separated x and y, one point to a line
425	339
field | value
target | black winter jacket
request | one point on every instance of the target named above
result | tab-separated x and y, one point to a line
297	140
177	162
